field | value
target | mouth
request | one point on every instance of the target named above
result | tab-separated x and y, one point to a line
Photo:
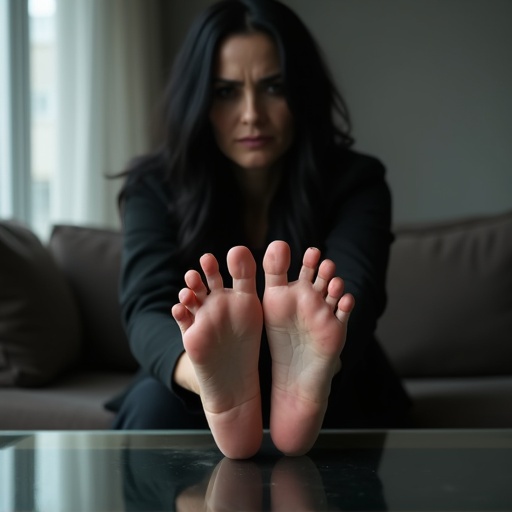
254	141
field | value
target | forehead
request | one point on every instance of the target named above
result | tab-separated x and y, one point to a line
255	53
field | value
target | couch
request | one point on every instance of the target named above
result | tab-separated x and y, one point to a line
447	328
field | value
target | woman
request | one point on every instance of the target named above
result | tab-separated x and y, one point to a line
254	167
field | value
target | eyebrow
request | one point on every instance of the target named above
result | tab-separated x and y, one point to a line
267	79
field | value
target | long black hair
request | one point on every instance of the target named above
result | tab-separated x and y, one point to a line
193	164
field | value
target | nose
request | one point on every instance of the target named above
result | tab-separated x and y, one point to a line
252	111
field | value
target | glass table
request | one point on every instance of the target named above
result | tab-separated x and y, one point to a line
414	470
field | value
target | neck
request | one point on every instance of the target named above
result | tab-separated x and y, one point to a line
258	188
258	185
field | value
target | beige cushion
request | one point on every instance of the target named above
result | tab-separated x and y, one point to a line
450	299
40	333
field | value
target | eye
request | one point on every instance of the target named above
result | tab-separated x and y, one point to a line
224	92
275	88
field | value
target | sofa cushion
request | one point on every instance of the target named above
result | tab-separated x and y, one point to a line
72	402
90	259
450	299
40	332
464	402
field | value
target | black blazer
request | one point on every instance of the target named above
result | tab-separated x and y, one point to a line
355	235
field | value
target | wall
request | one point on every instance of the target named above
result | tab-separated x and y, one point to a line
429	86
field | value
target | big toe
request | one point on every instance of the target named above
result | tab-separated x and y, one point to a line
242	268
276	263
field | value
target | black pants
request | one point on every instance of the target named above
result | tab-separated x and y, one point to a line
368	396
149	405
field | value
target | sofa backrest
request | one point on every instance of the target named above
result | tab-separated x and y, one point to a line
449	286
450	299
90	260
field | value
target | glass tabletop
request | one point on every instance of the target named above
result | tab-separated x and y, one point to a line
413	470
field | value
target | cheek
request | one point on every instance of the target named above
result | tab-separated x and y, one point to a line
221	119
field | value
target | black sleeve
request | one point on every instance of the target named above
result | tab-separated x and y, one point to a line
358	242
151	278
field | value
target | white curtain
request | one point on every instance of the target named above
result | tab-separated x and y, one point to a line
109	70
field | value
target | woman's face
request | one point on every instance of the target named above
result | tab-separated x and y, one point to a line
251	121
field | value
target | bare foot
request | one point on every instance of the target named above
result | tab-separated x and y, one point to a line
306	324
235	485
221	334
296	485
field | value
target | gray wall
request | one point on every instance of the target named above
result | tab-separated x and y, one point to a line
429	86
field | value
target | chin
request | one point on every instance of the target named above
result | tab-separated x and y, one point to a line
256	165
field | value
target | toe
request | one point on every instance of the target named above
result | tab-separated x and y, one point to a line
276	263
334	292
326	273
345	307
195	283
210	268
242	268
183	317
189	300
309	264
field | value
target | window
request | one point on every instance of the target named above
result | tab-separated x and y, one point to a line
5	196
43	110
14	111
49	175
27	110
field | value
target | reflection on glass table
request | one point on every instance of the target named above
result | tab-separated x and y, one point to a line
184	471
